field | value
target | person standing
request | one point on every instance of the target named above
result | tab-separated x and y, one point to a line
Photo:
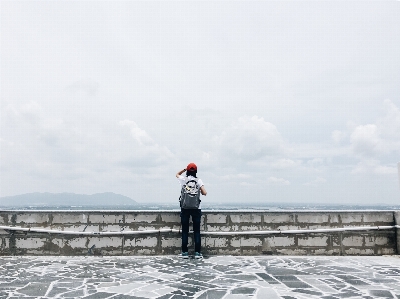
193	210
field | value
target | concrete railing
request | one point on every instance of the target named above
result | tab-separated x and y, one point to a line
223	232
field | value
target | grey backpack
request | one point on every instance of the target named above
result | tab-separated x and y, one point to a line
190	194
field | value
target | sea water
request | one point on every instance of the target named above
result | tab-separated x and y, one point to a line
211	207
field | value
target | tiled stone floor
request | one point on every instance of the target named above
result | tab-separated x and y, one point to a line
227	277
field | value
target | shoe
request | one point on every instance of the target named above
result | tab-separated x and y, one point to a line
198	255
184	255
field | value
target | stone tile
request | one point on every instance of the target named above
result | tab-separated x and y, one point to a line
215	294
244	291
166	277
98	295
309	292
381	293
268	278
35	289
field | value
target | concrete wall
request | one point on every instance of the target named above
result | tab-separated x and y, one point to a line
397	222
378	242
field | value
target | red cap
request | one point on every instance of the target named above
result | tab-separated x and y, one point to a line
191	167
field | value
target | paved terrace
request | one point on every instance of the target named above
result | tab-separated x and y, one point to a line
214	277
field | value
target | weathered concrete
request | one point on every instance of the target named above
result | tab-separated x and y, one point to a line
397	222
377	242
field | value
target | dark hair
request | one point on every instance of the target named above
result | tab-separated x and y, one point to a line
191	172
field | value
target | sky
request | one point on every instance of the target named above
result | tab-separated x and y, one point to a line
276	102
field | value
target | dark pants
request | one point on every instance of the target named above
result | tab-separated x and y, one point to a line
196	218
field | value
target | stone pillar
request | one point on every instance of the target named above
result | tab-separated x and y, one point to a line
397	222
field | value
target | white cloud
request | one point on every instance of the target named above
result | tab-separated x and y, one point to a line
278	181
138	134
371	166
198	73
365	139
390	124
382	169
58	151
250	138
144	154
29	113
381	137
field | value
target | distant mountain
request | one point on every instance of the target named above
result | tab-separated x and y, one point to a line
66	199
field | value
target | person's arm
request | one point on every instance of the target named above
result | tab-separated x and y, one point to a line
180	173
203	190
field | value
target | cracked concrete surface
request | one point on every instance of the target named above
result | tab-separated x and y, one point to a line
227	277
